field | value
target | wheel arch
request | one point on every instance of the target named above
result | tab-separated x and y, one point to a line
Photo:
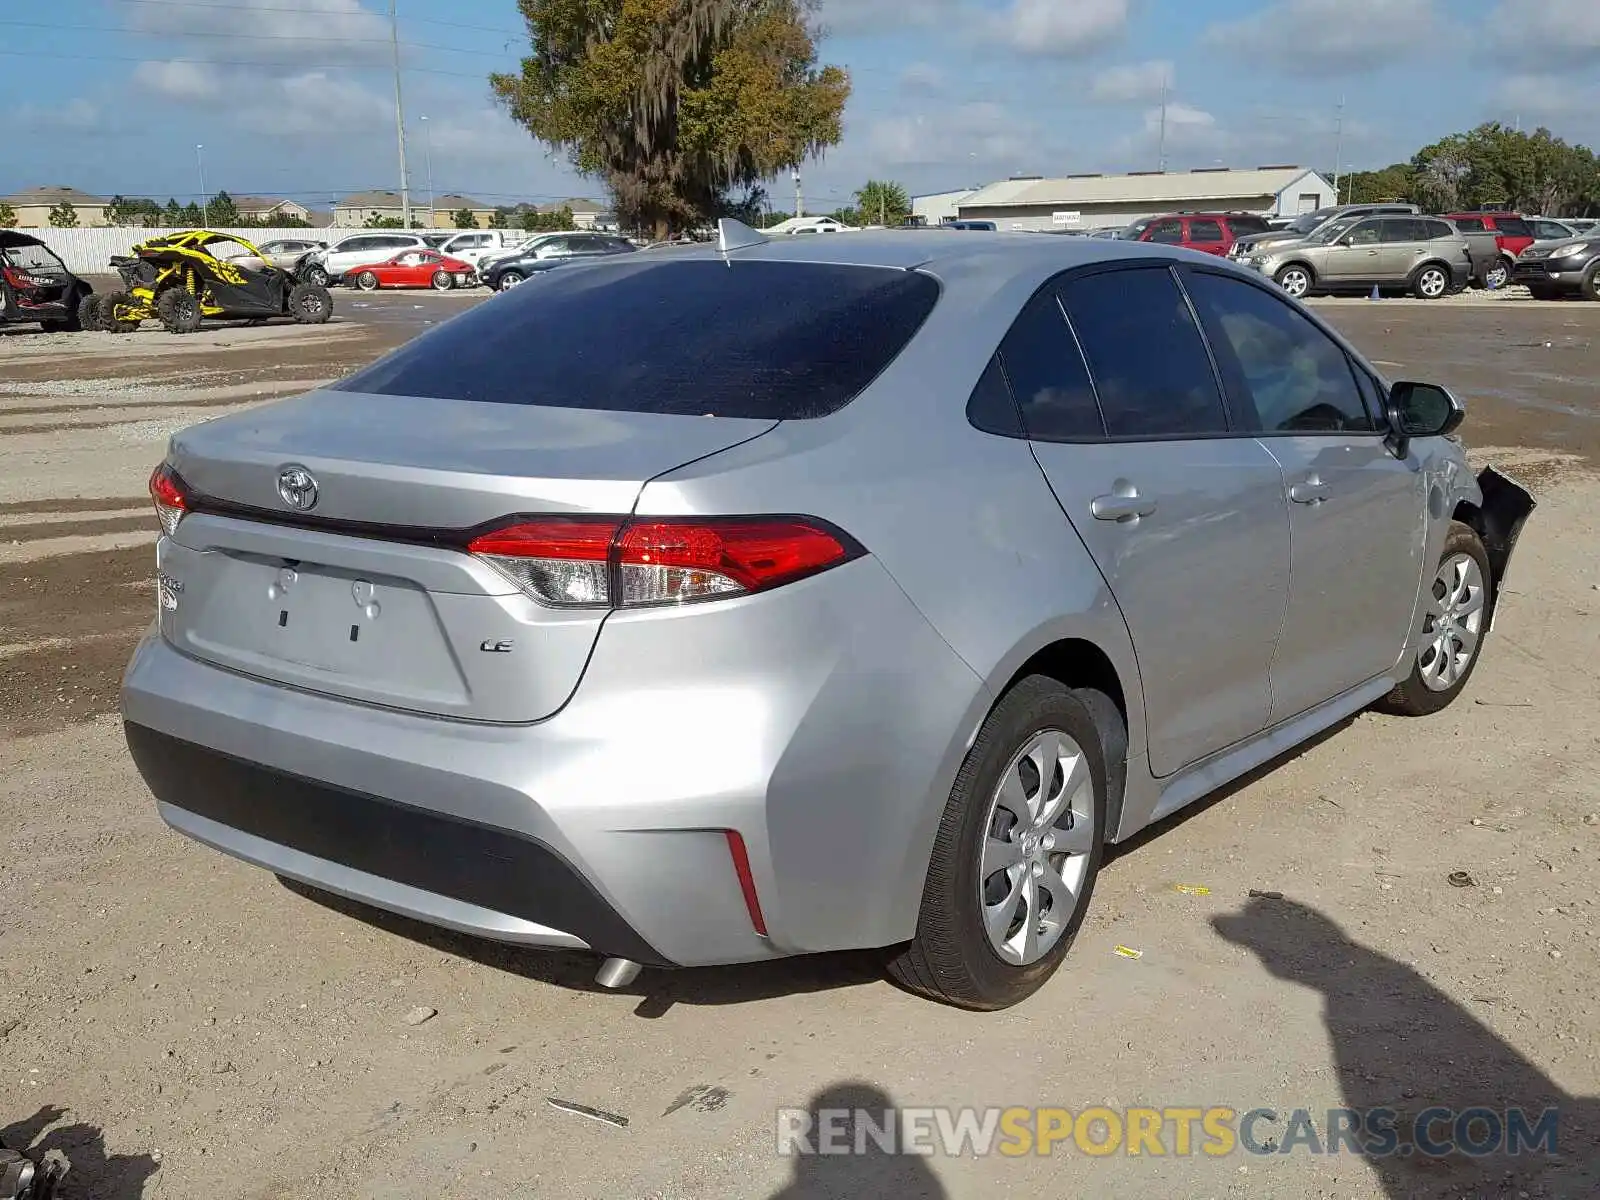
1497	517
1303	264
1431	262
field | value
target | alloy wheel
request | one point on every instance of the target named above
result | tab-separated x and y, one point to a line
509	281
1453	625
1296	282
1035	857
1432	283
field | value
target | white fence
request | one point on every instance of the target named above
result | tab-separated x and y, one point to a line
89	251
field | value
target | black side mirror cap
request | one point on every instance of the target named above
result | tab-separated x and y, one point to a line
1422	410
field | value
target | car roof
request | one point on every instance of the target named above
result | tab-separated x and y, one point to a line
10	238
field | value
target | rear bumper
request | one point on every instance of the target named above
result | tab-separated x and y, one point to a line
823	722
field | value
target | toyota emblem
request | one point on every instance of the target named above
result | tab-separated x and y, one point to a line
298	488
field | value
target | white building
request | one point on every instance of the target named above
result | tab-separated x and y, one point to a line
938	208
1110	201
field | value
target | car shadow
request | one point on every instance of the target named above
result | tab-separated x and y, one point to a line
854	1176
91	1172
1399	1043
658	990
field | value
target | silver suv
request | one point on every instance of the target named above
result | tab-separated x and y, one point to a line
330	264
1427	255
1311	223
863	619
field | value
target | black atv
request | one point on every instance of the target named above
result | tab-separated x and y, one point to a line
35	285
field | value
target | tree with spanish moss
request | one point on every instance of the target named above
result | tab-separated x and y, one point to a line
679	106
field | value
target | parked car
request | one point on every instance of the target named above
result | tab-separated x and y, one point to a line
413	268
1548	229
1582	225
981	226
505	273
1512	234
476	245
333	262
1553	270
645	646
1308	224
286	252
35	285
1209	233
1424	254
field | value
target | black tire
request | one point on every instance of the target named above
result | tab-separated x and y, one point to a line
113	304
1543	291
1500	270
951	958
310	304
443	281
1414	697
1431	282
315	274
1289	279
179	310
89	313
366	281
1591	282
508	280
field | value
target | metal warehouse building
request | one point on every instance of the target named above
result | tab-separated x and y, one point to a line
1110	201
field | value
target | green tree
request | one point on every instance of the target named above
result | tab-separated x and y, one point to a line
376	221
882	202
675	103
1494	165
464	218
64	216
555	221
8	216
171	213
1375	187
222	211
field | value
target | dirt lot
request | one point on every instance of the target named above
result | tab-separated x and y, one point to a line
182	1025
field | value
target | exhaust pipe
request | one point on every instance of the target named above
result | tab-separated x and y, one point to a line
617	973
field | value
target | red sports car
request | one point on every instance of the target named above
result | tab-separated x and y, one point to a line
414	268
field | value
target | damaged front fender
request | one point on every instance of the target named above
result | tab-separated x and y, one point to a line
1498	520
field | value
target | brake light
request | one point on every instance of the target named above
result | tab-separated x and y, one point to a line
621	563
167	492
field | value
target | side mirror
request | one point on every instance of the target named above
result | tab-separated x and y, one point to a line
1348	239
1421	410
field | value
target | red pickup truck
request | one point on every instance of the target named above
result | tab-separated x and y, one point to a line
1512	235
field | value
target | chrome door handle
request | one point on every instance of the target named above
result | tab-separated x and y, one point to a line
1122	506
1310	491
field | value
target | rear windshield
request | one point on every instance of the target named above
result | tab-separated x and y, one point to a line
701	337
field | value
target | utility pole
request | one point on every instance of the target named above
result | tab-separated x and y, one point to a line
799	196
1338	149
205	197
1161	153
400	119
427	151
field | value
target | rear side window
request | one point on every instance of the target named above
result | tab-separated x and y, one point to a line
1244	226
990	407
1146	356
697	337
1513	227
1438	229
1299	378
1205	231
1400	229
1469	224
1047	375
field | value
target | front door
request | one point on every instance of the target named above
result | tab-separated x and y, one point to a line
1356	512
1357	262
1186	524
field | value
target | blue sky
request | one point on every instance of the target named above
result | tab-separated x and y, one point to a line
296	96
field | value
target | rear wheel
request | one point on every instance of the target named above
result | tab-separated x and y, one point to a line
1455	617
1431	283
120	313
309	304
509	280
1018	848
1498	275
89	312
179	310
443	281
315	274
367	281
1295	280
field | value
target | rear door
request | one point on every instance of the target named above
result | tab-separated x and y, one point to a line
1186	522
1356	512
1207	235
1404	244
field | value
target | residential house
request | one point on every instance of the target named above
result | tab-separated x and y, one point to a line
33	206
269	211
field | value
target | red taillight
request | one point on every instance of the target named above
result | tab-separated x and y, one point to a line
747	881
615	562
166	491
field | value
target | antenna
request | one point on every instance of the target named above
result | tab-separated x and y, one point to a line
736	235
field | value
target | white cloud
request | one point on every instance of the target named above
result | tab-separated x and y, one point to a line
314	104
1330	36
74	116
1570	110
1549	35
308	31
1061	28
177	80
1133	83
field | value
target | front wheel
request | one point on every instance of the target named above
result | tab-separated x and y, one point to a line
315	274
1018	848
179	310
443	281
310	304
1295	280
1455	617
509	280
120	313
1431	283
89	313
1591	282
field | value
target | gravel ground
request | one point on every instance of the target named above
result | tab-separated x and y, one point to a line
183	1025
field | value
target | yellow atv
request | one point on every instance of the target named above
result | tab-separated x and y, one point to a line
179	280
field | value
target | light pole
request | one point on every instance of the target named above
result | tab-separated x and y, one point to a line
427	153
205	198
400	120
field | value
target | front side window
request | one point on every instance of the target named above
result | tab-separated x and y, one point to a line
1469	224
1168	233
1298	378
1146	356
1368	233
1513	227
